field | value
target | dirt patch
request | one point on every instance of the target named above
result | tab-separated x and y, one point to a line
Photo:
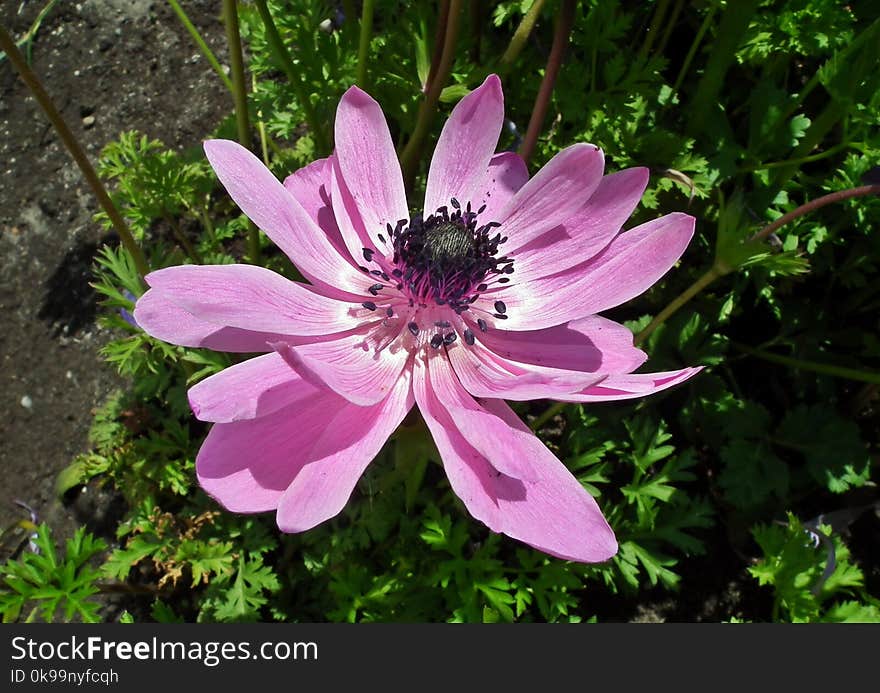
110	65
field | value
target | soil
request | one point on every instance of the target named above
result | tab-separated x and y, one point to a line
110	66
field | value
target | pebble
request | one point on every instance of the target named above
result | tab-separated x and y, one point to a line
88	121
27	403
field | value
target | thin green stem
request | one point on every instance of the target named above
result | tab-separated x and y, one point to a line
564	23
814	366
239	93
670	26
364	43
200	42
733	26
76	151
692	51
261	126
796	162
705	280
719	269
654	28
547	414
282	56
813	205
28	37
236	60
409	158
520	36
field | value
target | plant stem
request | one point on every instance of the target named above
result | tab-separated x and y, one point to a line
564	23
733	26
714	273
28	38
409	158
239	93
654	28
831	151
813	205
520	36
200	42
692	51
282	56
76	151
547	414
439	40
364	43
670	26
720	269
815	366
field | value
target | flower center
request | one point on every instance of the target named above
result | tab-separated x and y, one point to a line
442	263
447	258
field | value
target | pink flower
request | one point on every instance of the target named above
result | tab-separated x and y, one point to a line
490	294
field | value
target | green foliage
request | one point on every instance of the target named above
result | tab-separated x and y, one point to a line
42	584
810	573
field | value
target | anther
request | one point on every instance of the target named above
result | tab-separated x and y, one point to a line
369	305
368	254
436	341
482	325
449	338
412	327
469	337
500	307
442	323
376	288
389	312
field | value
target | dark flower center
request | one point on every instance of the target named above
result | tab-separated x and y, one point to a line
449	259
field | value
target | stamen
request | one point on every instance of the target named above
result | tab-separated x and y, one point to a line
369	305
436	341
500	307
449	338
469	337
413	328
368	254
482	325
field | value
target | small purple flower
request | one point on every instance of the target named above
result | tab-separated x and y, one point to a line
127	316
490	293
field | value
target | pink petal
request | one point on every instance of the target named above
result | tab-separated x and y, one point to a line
587	232
252	298
465	147
506	175
271	207
368	162
352	366
310	186
247	465
553	195
248	390
629	265
484	373
550	510
351	439
165	320
592	344
617	387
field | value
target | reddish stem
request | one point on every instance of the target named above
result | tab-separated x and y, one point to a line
564	23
